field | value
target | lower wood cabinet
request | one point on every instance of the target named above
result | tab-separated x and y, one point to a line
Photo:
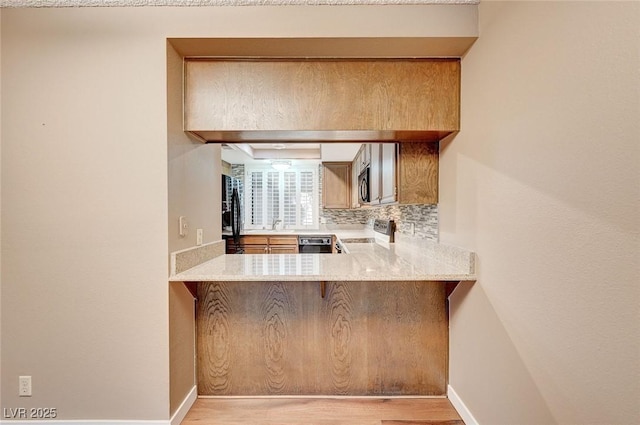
265	244
283	245
255	249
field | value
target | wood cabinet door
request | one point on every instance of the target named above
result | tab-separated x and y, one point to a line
365	158
355	203
356	163
254	240
283	240
242	95
375	175
283	245
388	173
283	249
336	185
255	244
418	172
256	249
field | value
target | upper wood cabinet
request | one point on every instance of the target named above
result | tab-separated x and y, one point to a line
418	173
406	173
387	177
336	185
359	99
375	152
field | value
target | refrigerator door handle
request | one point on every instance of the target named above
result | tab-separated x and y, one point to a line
236	220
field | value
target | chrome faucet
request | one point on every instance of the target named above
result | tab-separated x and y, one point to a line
275	223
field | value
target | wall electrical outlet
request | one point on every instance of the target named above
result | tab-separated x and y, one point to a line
199	237
24	386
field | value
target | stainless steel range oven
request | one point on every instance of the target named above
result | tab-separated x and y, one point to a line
315	244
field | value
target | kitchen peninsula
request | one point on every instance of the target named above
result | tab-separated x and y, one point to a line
407	259
372	321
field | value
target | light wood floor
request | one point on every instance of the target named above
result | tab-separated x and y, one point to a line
320	411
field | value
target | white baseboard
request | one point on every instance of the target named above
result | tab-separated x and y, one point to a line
185	406
462	408
177	417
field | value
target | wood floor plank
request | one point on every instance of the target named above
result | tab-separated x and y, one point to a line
320	411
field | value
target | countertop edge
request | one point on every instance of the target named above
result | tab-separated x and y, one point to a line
327	278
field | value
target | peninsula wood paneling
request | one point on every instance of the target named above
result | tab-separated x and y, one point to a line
283	338
418	172
314	95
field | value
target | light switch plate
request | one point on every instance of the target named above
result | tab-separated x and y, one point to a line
184	226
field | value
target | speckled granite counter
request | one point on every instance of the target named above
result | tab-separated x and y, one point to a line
407	259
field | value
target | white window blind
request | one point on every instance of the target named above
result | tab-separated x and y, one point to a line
290	196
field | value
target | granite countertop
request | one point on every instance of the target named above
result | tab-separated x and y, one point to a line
408	259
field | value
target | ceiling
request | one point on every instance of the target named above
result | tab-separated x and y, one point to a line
257	153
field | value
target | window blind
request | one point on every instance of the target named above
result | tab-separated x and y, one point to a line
290	196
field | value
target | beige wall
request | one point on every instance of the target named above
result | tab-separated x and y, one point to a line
543	182
194	171
84	195
85	303
194	192
182	351
0	205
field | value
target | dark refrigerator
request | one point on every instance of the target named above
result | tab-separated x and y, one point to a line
232	206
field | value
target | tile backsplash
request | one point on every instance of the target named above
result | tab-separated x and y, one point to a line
419	221
346	216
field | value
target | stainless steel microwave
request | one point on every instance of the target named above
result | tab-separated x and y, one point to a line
363	187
